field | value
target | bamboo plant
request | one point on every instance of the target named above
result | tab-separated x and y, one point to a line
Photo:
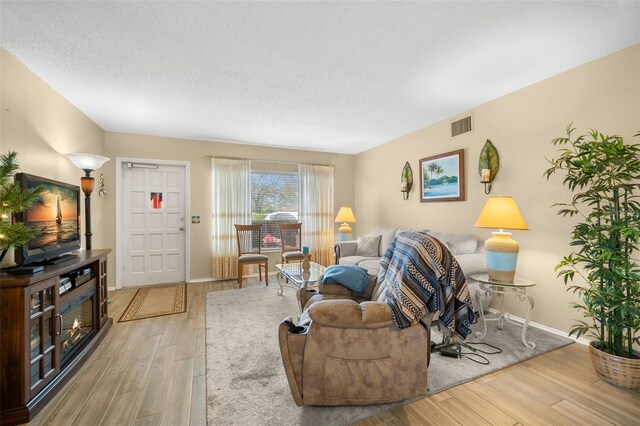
603	173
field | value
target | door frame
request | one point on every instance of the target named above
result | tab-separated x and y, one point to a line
120	164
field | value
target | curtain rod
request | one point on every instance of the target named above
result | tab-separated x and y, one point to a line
271	161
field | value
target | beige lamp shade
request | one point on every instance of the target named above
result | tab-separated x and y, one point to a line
501	212
345	215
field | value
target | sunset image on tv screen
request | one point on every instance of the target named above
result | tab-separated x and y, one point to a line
54	216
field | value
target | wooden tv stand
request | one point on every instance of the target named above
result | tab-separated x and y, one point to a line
40	347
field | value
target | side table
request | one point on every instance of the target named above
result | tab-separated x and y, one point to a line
518	289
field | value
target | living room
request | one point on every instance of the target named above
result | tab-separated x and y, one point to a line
600	92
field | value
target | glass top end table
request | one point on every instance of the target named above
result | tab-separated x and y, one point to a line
517	288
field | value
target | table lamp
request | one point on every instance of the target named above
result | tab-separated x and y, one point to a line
88	163
501	211
345	215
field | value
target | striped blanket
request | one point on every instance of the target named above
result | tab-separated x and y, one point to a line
423	276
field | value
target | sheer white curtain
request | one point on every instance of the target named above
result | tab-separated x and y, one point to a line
316	211
231	186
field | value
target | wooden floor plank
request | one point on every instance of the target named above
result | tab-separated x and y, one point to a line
198	413
153	420
137	375
178	403
94	409
199	365
577	392
70	406
505	402
155	390
459	412
122	409
479	405
581	414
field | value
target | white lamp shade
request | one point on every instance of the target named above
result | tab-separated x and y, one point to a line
87	161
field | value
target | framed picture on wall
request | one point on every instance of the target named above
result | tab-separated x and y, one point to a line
442	177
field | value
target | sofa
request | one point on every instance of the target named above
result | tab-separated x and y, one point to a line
350	351
367	251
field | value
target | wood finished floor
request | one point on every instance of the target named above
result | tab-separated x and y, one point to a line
152	372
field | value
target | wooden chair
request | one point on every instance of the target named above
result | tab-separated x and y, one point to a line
249	239
291	242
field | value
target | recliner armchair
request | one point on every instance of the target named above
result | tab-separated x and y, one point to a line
352	352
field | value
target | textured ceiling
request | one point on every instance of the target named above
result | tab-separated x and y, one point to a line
328	76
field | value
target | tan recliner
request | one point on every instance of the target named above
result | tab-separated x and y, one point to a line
352	353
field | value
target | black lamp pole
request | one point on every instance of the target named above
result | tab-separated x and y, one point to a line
86	182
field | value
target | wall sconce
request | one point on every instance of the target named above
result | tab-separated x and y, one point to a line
406	181
489	165
88	163
101	192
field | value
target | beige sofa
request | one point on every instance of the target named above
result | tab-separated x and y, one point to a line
467	249
352	352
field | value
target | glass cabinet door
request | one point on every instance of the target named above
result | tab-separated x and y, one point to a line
103	295
44	355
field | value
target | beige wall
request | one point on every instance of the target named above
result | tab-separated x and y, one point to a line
604	95
40	125
198	153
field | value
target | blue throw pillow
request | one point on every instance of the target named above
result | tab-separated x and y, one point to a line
352	277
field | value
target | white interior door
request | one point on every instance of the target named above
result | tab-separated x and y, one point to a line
153	224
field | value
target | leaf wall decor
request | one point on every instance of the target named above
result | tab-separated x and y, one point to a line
489	159
406	180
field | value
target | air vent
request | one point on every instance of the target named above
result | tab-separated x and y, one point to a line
461	126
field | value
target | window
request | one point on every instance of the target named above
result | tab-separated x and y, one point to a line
274	200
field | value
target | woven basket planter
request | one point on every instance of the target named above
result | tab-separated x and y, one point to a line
619	371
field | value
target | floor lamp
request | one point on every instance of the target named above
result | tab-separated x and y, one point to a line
88	163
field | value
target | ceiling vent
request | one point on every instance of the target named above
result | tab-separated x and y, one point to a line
461	126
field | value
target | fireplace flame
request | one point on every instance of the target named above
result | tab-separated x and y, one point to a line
76	323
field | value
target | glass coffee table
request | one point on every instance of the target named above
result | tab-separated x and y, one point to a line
291	275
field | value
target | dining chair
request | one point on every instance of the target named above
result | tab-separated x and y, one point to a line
291	242
249	239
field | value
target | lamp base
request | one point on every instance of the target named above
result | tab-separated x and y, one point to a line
344	232
502	256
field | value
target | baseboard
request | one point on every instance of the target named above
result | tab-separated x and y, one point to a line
546	328
200	280
204	280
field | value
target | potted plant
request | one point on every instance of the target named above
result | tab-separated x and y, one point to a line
603	173
13	199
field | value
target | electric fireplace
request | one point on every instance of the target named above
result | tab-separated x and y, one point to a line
78	324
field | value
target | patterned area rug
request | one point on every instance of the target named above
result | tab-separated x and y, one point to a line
155	301
247	385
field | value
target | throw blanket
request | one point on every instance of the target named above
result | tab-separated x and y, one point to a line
352	277
423	276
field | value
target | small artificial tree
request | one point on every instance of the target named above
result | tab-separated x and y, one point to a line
13	199
604	175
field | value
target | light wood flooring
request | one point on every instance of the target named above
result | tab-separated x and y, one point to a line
152	372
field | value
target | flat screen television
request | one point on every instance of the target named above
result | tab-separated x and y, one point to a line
55	216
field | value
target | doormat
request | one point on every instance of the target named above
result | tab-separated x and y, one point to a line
156	301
